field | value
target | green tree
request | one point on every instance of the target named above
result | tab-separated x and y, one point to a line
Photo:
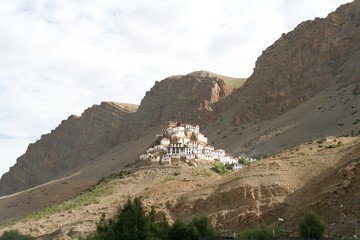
219	168
310	226
130	223
160	229
182	231
15	235
203	228
244	161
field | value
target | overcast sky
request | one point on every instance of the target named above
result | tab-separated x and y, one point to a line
59	57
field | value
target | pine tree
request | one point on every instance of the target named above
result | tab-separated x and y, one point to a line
311	226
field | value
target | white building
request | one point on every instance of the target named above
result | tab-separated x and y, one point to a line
149	150
228	159
192	144
191	128
183	142
190	157
160	147
165	141
201	138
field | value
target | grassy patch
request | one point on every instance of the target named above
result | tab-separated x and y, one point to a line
119	175
87	197
90	196
202	172
235	82
168	179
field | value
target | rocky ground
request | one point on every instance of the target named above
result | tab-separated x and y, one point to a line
284	185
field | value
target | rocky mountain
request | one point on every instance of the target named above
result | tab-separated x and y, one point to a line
189	98
304	87
80	139
300	64
75	140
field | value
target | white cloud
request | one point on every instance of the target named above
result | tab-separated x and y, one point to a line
60	57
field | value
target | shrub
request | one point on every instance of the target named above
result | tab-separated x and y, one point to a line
244	161
15	235
219	168
131	223
260	233
310	226
182	231
203	228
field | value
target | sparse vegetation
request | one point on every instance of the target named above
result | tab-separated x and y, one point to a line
235	82
168	179
15	235
202	172
260	233
261	157
87	197
244	161
220	168
119	175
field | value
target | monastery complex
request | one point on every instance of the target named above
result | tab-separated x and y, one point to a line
184	142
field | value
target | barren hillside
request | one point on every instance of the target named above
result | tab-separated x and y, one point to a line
305	87
279	186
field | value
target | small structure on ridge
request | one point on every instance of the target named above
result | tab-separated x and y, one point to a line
184	142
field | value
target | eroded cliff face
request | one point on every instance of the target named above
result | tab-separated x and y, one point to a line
236	208
334	195
302	63
189	98
74	141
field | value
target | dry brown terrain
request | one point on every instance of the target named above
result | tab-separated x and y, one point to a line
284	185
305	87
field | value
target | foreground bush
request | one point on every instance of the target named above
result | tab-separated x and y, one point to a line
311	226
15	235
131	223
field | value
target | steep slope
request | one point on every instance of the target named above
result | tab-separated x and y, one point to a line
74	141
332	112
321	176
301	64
304	86
75	181
188	98
81	139
335	194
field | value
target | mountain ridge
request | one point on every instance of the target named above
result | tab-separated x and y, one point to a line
303	58
304	87
77	137
300	64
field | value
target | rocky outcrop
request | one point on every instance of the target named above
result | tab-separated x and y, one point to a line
189	98
334	195
235	208
302	63
74	141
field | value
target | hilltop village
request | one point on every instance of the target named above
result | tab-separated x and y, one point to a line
184	142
